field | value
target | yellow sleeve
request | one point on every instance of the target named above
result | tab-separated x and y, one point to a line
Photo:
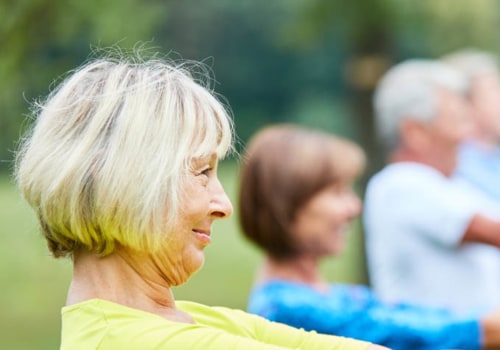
280	334
265	334
103	325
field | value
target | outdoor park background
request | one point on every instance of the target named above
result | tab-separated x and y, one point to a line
313	62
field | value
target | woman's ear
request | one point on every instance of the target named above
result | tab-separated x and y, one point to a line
414	134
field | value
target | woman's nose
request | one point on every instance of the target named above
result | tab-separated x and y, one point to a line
221	204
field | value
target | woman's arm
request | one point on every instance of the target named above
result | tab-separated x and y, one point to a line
376	347
236	327
491	330
482	229
291	337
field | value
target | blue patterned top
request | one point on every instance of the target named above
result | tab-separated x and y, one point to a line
354	311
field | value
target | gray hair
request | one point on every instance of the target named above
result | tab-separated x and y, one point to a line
408	90
472	62
105	160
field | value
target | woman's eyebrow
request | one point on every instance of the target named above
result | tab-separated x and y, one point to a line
198	161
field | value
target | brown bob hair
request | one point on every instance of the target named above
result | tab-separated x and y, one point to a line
283	167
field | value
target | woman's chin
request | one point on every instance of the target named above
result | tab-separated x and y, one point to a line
335	250
195	265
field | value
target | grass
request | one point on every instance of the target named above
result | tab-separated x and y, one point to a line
34	284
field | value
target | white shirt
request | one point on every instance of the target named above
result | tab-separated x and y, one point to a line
414	220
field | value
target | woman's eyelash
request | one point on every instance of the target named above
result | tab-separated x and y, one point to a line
206	171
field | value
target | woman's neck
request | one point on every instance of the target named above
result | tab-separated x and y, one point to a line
301	269
118	279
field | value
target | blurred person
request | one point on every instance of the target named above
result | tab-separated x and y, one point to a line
429	240
296	204
121	170
479	156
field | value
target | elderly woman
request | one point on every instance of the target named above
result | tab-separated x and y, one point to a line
296	203
121	170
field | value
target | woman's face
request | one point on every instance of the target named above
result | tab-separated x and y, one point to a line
203	201
321	224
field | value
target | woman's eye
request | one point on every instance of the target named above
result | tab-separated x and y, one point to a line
206	171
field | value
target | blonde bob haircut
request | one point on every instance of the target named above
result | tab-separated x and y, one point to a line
105	160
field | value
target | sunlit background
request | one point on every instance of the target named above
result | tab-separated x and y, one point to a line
313	62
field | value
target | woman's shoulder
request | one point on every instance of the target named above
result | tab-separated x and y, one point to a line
100	324
95	322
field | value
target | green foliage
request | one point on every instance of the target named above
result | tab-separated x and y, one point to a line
43	39
273	60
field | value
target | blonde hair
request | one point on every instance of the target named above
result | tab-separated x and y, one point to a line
105	160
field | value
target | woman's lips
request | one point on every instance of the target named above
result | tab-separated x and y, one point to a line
203	236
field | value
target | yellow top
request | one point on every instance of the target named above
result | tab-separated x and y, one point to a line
101	324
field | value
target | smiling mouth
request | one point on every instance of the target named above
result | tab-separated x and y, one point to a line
203	236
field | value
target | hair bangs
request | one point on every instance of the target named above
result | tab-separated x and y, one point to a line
212	128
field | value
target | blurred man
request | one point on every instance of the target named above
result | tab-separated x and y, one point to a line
479	157
429	240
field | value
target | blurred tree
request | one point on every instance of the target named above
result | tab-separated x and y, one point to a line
313	62
42	39
238	40
378	33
